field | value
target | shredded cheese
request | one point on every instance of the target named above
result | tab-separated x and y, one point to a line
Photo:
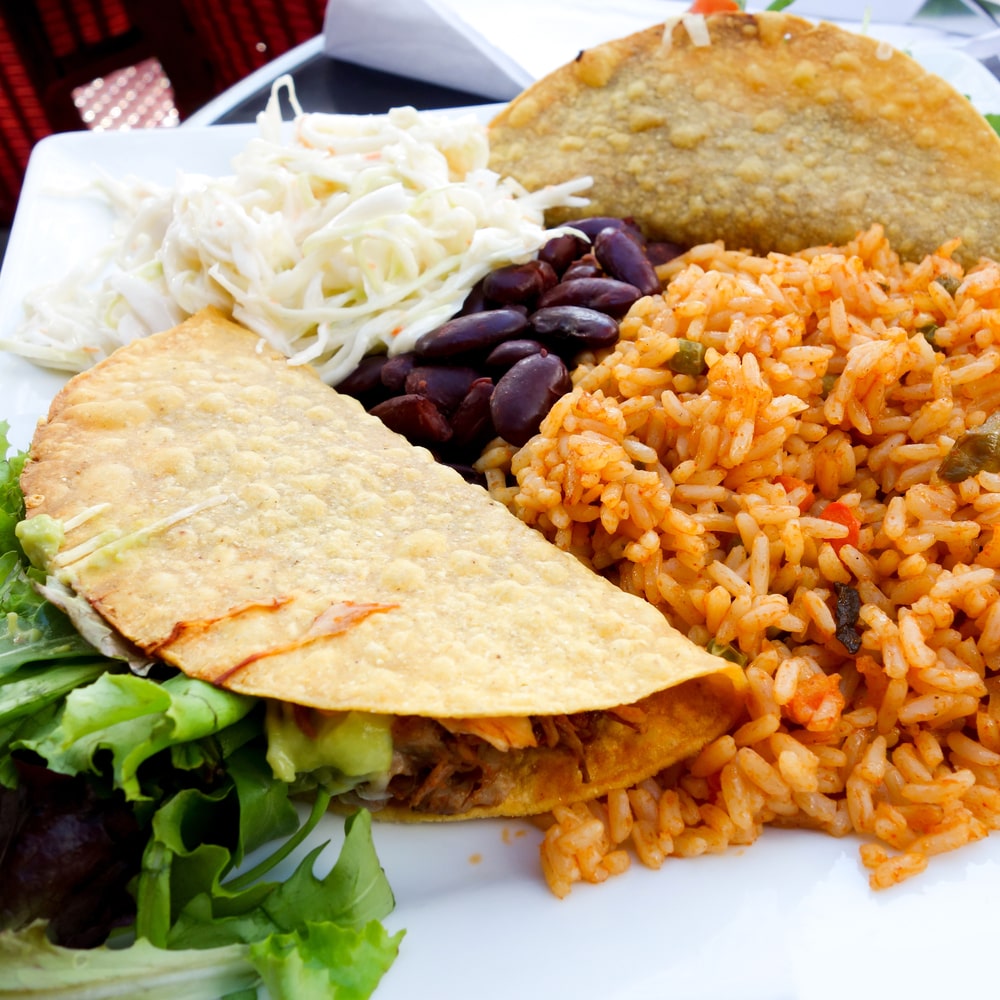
697	29
358	233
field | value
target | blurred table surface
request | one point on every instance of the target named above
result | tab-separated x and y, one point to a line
325	84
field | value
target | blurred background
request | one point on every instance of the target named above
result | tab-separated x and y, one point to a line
67	65
117	64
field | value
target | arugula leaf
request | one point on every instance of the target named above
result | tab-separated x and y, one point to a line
354	892
266	812
185	860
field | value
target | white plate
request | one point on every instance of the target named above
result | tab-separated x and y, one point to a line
790	917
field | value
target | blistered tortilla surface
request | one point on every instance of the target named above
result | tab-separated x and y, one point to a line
235	516
777	135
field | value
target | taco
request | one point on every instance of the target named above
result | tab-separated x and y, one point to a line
419	648
765	131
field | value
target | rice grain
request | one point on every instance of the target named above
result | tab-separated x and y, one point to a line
712	496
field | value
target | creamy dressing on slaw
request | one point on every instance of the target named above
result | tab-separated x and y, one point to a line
353	234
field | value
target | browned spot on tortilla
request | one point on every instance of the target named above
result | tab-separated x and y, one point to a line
335	620
185	629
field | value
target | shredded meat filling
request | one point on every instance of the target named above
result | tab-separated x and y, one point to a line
437	771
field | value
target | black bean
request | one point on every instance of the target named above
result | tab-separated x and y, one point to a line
395	370
471	423
592	225
662	252
475	301
607	295
440	397
365	379
623	257
577	327
444	385
415	417
585	267
511	351
525	394
473	332
519	283
561	251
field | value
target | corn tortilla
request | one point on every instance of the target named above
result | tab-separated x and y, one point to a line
777	134
679	721
234	516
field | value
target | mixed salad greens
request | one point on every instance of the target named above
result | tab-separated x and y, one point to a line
129	807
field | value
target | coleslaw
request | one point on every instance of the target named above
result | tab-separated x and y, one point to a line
351	234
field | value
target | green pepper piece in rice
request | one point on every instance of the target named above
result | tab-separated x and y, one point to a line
689	358
727	651
929	331
949	283
977	450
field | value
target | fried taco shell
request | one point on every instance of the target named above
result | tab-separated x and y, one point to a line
230	514
765	131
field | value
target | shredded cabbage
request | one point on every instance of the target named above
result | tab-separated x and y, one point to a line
353	234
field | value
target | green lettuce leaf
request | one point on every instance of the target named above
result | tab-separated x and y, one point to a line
33	630
31	966
339	952
326	961
134	718
180	767
11	498
30	690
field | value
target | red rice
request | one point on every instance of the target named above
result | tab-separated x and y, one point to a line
705	495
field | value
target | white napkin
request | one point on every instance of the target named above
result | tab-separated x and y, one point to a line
496	49
480	46
422	39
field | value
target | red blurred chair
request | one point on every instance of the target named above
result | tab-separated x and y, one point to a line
49	48
22	123
242	35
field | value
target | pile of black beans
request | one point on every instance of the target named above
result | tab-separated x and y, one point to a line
498	366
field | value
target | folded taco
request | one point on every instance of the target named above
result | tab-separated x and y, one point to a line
762	130
419	647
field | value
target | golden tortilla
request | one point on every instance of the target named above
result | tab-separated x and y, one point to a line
234	516
679	721
778	134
